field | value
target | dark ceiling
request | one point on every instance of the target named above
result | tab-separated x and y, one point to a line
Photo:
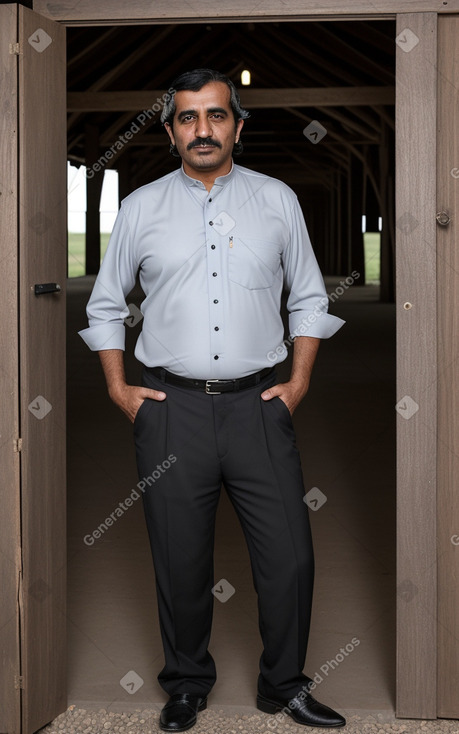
279	55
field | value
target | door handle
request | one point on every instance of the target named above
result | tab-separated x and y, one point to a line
40	289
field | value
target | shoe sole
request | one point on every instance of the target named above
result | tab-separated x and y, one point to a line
201	707
271	707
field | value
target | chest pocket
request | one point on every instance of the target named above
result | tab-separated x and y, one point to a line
252	263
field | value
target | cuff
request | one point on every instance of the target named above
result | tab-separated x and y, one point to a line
319	324
104	336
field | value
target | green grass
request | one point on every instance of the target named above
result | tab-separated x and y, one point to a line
372	247
77	259
77	254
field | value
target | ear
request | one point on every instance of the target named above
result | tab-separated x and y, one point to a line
169	132
239	126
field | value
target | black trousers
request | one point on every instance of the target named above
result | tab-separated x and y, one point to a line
186	447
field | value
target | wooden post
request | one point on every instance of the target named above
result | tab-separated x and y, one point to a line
95	180
386	174
355	204
123	166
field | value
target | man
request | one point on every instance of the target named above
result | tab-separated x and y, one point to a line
214	243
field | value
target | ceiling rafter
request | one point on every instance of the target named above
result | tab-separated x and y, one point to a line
120	124
281	56
110	75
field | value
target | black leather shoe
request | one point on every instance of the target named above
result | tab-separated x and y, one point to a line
304	709
181	712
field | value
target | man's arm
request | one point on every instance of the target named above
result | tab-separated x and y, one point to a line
292	392
127	397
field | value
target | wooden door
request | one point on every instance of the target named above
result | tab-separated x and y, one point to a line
416	79
448	365
34	252
10	555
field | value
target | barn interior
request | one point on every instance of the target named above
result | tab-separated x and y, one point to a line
321	104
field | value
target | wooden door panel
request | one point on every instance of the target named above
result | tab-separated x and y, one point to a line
416	79
448	354
10	555
42	259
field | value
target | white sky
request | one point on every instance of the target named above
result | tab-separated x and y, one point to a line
76	187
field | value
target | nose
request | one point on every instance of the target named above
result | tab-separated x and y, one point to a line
203	127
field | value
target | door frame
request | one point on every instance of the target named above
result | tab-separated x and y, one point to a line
416	291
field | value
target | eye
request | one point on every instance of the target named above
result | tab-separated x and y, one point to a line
187	118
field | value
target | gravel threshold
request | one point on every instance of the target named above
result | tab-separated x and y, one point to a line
233	720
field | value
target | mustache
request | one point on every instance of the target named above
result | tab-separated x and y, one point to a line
203	141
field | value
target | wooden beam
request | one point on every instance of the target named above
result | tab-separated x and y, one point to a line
173	68
116	69
250	98
354	58
88	48
104	12
416	163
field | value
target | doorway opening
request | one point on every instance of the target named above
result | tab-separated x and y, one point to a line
346	425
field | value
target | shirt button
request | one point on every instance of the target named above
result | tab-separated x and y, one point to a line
214	274
215	300
210	199
216	356
211	223
212	247
216	328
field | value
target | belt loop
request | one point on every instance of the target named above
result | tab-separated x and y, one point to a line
163	374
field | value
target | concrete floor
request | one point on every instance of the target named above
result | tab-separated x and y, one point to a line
346	436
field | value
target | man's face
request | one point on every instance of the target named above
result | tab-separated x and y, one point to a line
203	128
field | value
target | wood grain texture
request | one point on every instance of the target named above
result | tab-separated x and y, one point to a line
250	98
448	355
86	12
10	558
43	259
416	367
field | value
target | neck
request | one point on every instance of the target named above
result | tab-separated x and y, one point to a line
207	177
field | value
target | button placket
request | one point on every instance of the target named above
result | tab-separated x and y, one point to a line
215	284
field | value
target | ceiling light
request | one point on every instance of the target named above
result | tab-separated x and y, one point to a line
245	78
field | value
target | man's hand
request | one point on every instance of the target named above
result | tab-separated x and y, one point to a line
289	392
292	392
129	398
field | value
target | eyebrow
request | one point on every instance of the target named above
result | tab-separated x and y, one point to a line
211	110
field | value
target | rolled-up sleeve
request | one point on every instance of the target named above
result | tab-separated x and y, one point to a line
307	303
107	309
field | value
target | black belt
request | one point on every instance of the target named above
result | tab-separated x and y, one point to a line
211	387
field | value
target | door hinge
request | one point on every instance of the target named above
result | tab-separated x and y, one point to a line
17	443
15	48
19	681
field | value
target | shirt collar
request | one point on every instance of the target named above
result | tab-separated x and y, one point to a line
219	181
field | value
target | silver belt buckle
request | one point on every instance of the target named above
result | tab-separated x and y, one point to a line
209	385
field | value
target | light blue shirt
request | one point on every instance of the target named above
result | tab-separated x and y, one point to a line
212	267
